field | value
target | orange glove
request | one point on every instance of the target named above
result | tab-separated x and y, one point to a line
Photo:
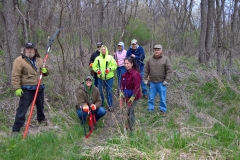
93	107
98	72
85	108
91	65
107	70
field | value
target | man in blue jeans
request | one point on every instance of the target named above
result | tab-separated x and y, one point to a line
158	71
88	95
137	52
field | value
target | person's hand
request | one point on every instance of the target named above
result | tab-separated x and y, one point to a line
131	99
44	70
145	82
85	108
93	107
107	70
19	92
91	65
165	83
132	55
99	72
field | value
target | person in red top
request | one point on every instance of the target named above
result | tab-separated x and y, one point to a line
130	88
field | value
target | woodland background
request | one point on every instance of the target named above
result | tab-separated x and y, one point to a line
201	37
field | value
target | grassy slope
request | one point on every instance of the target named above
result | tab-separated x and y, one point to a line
202	122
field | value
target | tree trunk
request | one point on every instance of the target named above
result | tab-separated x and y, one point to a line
209	32
10	46
219	37
232	36
202	49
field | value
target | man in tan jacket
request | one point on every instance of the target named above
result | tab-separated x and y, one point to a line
88	95
25	74
158	70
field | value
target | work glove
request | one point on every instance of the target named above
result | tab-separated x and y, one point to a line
131	99
165	83
145	82
107	70
44	70
91	65
99	72
85	108
19	92
93	108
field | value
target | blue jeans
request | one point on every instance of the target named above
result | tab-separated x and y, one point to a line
120	71
154	89
100	112
107	85
143	86
96	80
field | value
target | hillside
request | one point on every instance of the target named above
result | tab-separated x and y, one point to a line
202	122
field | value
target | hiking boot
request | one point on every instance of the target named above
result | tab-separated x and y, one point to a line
110	109
43	121
15	133
162	114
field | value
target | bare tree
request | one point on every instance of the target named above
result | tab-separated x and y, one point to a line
209	32
202	38
219	37
10	47
232	35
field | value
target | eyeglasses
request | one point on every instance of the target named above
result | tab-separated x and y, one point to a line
98	46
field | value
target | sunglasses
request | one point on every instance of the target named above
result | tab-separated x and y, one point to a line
89	80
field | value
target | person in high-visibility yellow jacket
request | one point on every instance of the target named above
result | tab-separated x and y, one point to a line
105	65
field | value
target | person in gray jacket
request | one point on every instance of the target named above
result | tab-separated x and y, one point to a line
157	73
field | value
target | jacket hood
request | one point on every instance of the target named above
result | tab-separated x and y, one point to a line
106	52
85	86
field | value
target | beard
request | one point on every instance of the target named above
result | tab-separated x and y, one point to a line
29	55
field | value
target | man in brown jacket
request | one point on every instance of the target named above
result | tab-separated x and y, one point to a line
25	75
88	95
158	70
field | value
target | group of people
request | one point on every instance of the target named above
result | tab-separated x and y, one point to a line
133	78
132	74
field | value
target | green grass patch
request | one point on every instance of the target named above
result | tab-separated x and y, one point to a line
49	145
223	135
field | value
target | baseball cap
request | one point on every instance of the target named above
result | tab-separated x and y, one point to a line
88	77
157	46
29	44
99	44
134	41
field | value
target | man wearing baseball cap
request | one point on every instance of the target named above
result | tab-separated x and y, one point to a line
93	57
25	75
137	52
158	70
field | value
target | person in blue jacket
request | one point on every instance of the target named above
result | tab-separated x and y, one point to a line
137	52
